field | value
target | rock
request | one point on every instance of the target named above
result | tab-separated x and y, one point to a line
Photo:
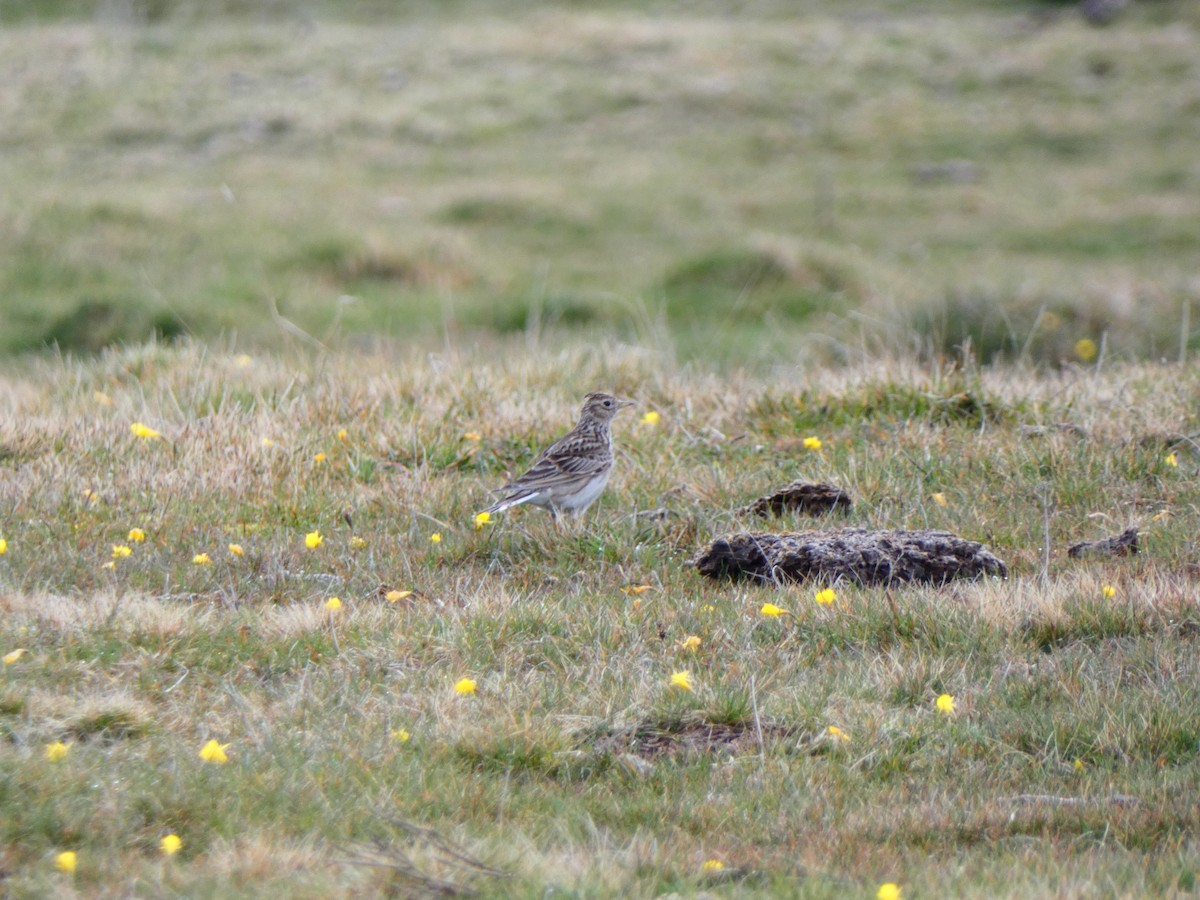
1124	544
801	496
857	555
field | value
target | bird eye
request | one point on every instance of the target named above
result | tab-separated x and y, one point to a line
608	404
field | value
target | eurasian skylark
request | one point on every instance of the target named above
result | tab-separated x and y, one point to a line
572	471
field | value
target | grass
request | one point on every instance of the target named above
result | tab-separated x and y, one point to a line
357	268
1068	768
800	183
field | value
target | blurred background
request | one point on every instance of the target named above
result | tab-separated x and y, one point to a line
739	183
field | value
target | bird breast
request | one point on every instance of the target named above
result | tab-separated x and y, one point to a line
590	492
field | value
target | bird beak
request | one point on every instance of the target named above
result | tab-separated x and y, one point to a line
623	402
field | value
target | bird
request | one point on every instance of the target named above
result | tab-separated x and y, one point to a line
571	472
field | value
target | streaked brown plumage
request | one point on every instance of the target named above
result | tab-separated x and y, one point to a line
571	472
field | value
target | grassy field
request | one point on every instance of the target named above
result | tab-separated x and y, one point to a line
386	251
752	183
1069	767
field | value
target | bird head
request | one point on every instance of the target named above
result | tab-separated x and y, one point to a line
603	407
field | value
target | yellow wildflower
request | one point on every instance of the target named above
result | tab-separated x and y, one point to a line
682	680
313	540
145	432
939	498
214	752
1086	349
472	436
435	538
342	435
13	655
837	734
1080	765
465	686
236	550
357	543
708	608
3	546
945	705
319	458
66	862
712	865
267	442
482	519
826	597
651	418
201	559
770	609
136	535
812	443
333	604
691	642
242	360
888	891
120	551
1108	592
170	845
395	596
56	751
1171	460
401	736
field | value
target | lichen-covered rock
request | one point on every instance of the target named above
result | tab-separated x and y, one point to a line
1124	544
801	496
856	555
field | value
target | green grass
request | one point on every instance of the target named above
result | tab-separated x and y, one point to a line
1070	762
734	186
436	227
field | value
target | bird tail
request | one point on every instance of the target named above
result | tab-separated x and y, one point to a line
512	500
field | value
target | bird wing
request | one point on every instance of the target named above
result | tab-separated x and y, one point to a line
561	459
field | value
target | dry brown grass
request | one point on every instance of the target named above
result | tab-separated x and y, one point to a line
137	667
